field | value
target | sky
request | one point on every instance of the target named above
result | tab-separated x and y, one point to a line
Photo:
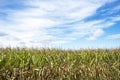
68	24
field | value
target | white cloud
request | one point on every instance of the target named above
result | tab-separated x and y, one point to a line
31	24
116	8
116	18
114	36
96	33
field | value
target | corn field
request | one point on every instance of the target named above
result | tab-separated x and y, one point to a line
58	64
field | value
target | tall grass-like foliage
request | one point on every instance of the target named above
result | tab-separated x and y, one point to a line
56	64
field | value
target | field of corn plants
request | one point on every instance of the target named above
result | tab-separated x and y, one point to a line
57	64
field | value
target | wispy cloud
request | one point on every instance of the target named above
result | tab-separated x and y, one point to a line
114	36
95	34
54	22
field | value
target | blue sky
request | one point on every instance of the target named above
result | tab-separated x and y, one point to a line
69	24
